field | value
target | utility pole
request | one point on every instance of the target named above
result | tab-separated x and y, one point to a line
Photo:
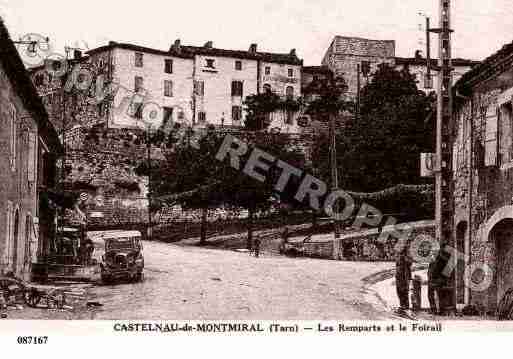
148	154
428	80
443	172
357	91
334	185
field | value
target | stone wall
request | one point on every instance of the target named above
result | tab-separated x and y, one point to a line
364	245
482	180
345	53
18	185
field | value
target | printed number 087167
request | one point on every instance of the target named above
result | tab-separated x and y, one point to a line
32	340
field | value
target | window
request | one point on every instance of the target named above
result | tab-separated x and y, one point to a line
506	133
289	117
32	157
289	92
135	109
202	117
267	88
291	72
236	114
168	115
168	88
491	136
13	139
138	59
366	68
138	84
101	109
238	65
181	115
168	66
199	88
237	88
268	70
210	63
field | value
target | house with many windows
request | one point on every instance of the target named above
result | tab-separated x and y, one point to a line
29	147
201	85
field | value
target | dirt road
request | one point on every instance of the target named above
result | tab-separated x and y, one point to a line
185	283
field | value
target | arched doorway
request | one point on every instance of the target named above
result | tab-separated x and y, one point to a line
463	247
501	235
15	241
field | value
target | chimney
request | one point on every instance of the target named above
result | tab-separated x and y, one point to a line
253	48
177	46
293	53
77	54
418	54
208	45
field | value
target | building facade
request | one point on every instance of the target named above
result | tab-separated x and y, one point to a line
483	182
29	146
199	85
417	66
345	54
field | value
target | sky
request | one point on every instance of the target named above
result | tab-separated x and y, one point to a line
481	27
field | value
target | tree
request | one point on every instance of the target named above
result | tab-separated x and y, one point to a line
259	108
191	169
241	190
381	148
327	105
328	98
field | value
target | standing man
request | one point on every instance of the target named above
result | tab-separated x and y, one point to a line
402	280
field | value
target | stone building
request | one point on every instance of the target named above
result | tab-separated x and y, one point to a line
346	53
29	146
483	181
196	84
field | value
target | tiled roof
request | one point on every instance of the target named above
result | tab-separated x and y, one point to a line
190	51
21	82
487	65
316	70
434	62
132	47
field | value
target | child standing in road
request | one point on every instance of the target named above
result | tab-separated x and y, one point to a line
257	246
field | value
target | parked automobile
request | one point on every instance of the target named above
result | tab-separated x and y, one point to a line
119	254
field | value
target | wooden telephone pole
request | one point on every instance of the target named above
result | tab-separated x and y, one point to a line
443	173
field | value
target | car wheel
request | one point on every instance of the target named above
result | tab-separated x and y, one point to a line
106	279
139	277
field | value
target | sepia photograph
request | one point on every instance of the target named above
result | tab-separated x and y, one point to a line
256	167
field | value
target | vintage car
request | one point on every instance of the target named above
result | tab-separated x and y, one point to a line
119	254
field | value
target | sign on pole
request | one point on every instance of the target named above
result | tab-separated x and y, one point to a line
427	164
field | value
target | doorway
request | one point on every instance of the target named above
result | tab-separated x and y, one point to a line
463	247
502	236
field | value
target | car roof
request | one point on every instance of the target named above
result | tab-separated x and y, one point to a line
100	235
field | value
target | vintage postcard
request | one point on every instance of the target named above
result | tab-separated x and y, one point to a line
255	167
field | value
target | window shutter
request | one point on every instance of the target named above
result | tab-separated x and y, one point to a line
31	165
491	137
13	138
8	231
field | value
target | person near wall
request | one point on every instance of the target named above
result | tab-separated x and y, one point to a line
402	279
